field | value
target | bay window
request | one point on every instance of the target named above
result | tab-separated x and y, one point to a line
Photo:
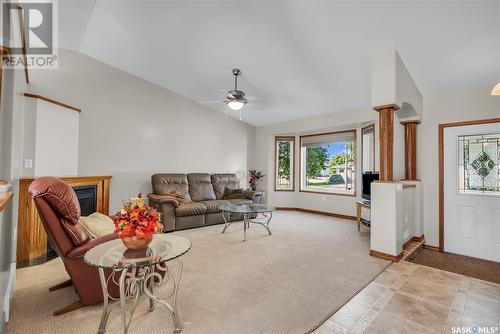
327	163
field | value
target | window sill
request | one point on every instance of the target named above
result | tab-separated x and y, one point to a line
328	193
286	190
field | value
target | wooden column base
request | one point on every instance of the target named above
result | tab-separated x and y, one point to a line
385	256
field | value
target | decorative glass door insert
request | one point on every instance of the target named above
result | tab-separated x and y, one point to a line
478	164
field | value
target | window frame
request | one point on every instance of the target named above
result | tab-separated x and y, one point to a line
301	189
292	168
369	126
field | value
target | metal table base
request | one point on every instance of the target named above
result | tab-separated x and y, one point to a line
247	220
134	283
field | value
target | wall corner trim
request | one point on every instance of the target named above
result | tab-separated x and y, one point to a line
36	96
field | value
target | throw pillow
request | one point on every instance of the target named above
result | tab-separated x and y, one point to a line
98	224
230	193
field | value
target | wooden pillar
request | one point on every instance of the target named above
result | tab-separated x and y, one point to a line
386	140
411	149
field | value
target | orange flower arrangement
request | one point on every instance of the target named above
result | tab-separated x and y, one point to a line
137	220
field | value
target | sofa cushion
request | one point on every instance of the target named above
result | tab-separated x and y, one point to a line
164	184
238	201
190	209
213	206
223	181
200	187
233	193
98	224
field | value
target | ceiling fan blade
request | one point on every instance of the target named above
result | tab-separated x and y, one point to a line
255	97
210	102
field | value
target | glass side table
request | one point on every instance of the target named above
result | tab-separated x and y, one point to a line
139	272
249	212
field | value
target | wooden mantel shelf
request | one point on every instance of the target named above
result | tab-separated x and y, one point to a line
5	198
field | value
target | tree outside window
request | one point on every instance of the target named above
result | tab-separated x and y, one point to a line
328	162
284	175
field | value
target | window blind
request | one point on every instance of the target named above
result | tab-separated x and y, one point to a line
327	138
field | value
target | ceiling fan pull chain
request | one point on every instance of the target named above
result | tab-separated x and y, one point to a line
240	114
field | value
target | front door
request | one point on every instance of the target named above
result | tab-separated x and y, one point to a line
471	190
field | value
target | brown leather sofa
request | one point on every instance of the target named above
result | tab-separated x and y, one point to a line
203	194
59	211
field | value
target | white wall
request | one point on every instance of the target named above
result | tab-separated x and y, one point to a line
383	79
408	201
11	124
321	202
408	96
386	233
392	83
459	106
56	140
131	128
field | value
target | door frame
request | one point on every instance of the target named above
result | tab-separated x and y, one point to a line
441	128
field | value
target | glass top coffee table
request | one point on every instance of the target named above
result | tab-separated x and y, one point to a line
137	272
250	212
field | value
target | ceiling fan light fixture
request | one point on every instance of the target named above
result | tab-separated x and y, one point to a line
236	104
496	90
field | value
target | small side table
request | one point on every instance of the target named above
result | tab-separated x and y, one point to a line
139	272
359	207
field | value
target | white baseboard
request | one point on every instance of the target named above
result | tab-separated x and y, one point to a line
9	291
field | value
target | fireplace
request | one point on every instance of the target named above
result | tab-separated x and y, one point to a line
32	246
87	197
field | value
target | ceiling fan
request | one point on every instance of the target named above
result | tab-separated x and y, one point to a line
235	99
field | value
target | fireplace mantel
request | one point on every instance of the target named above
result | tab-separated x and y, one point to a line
31	236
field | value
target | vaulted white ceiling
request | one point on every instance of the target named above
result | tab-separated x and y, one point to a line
302	58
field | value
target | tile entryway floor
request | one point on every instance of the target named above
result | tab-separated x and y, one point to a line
410	298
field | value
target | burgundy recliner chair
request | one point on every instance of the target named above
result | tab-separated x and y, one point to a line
59	211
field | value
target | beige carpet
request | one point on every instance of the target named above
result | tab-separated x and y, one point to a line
285	283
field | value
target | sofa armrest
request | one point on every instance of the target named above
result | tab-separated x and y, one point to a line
79	252
161	199
165	205
249	194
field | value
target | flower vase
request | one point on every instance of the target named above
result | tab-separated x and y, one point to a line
253	187
135	243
